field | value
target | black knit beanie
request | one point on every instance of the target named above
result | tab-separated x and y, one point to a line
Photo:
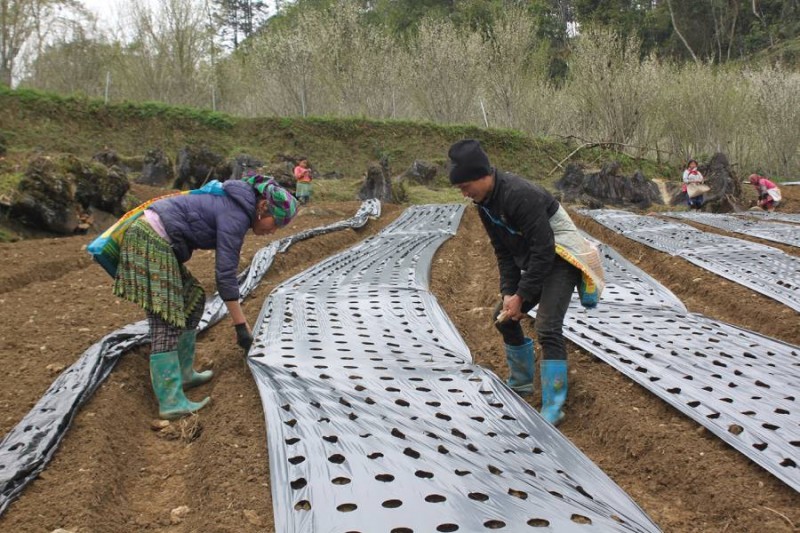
468	161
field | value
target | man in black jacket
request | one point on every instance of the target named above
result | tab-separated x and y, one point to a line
516	214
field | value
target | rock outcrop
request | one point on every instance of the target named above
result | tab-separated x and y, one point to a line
378	184
726	190
607	187
58	194
197	166
156	169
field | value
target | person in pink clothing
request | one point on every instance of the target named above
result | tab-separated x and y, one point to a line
769	195
302	174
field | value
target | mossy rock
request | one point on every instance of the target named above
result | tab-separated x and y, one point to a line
156	169
197	166
46	198
56	191
110	158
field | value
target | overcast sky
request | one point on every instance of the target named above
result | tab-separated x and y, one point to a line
105	9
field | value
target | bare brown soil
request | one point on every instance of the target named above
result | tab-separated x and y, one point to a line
114	472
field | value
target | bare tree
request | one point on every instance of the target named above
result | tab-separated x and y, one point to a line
516	66
760	17
734	6
446	65
20	20
169	48
678	32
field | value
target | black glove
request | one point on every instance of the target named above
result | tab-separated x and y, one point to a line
243	337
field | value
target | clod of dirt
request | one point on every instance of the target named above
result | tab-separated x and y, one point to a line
55	368
252	517
177	515
186	429
157	425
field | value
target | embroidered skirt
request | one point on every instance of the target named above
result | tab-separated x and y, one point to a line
150	276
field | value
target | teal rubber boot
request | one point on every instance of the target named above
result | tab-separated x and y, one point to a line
165	375
522	366
186	348
554	389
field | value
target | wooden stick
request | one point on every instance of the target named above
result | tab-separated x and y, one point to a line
502	317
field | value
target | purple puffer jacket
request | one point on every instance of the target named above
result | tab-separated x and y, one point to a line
211	222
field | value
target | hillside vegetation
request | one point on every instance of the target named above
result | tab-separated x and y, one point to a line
35	123
666	81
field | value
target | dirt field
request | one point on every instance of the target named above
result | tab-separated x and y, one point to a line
114	472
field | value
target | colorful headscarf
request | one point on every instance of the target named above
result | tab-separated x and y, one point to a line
281	204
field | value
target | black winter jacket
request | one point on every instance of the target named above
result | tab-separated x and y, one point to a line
516	216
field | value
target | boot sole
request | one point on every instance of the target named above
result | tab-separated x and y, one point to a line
175	415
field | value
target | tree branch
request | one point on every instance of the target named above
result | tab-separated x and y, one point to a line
680	35
593	144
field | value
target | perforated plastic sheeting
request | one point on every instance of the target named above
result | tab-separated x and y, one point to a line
29	446
740	385
251	276
378	420
773	231
764	215
628	284
759	267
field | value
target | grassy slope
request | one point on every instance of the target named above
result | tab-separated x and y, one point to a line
37	122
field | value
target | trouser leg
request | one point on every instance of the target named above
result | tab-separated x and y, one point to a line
553	304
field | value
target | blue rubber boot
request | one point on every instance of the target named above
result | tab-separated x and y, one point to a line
186	348
165	375
522	366
554	389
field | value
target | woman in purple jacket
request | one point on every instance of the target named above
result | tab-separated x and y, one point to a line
152	274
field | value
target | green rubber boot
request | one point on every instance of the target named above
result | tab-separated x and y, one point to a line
186	348
165	375
554	389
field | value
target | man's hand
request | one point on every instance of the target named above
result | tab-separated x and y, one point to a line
512	307
243	336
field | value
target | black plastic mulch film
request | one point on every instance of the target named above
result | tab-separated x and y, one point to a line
770	231
756	266
378	420
740	385
29	446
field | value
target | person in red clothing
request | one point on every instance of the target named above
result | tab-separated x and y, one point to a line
769	195
302	173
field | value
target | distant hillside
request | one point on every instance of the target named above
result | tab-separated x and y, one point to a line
34	123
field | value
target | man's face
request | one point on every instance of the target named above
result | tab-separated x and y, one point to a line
476	190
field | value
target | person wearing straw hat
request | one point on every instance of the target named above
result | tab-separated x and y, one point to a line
153	275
